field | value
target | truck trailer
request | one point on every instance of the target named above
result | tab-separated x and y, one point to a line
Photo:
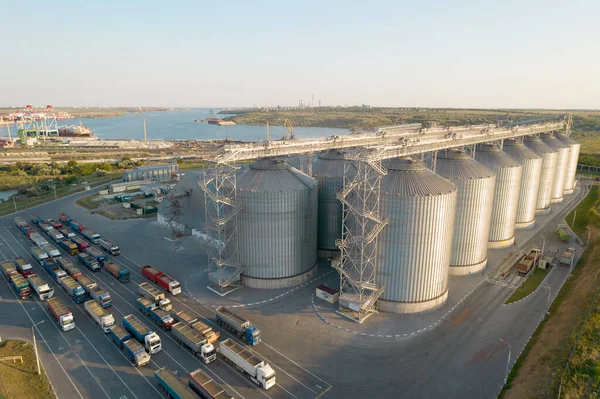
238	325
68	246
172	386
62	315
205	386
51	250
194	341
39	254
166	282
70	268
563	232
45	226
64	218
96	254
37	239
55	235
8	269
142	333
253	367
132	349
20	285
23	266
53	269
104	319
43	290
73	289
95	291
76	226
89	262
35	219
159	317
54	223
192	321
567	257
81	243
117	271
90	235
155	295
109	246
27	230
67	232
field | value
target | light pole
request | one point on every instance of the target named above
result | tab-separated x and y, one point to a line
37	358
15	202
549	292
508	361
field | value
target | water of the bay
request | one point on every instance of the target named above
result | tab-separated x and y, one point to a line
180	125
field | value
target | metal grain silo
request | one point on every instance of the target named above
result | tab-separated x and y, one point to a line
277	227
414	247
571	163
530	183
474	206
328	169
562	159
549	156
506	195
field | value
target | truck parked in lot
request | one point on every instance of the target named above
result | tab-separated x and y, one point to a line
132	349
76	226
68	246
62	315
53	269
117	271
45	226
96	254
81	243
142	333
95	291
54	223
64	218
35	219
194	341
70	268
73	289
155	295
253	367
238	325
567	257
8	269
205	386
20	285
104	319
563	232
24	267
41	288
55	235
158	316
27	230
172	386
89	262
164	281
109	246
39	254
67	232
19	221
90	235
37	239
192	321
528	261
51	250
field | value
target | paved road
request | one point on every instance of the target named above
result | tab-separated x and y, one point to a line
462	357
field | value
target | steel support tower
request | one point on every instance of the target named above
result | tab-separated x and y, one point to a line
361	224
221	208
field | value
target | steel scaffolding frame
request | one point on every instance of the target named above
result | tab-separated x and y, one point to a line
221	209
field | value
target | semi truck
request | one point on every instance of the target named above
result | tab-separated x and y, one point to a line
90	235
81	243
35	219
95	291
27	230
563	232
37	239
8	269
132	349
109	246
19	221
41	288
253	367
104	319
172	386
142	333
238	325
96	254
117	271
45	226
64	218
155	295
205	386
70	268
62	315
55	235
23	266
192	321
194	341
159	317
76	226
20	285
53	269
164	281
73	289
51	250
68	246
39	254
67	232
54	223
89	262
567	256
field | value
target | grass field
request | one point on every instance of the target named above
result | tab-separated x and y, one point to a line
530	285
18	381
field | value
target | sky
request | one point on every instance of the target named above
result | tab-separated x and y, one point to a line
475	54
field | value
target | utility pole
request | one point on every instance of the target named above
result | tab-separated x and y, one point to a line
508	361
574	214
37	358
145	130
8	128
15	202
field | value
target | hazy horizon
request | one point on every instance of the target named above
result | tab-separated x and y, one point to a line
539	55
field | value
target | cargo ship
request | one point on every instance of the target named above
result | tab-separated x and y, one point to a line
216	121
76	131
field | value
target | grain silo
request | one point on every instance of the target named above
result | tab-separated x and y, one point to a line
530	183
571	163
506	195
474	204
558	182
328	169
549	156
414	247
277	226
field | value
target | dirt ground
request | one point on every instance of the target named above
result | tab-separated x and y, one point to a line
20	380
539	374
113	209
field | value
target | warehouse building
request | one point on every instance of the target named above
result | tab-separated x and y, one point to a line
156	172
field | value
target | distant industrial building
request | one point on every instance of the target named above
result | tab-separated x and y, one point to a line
155	172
